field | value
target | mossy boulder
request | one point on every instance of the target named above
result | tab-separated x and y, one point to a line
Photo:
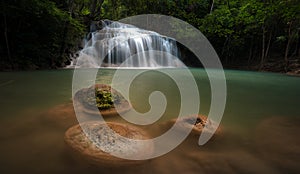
103	98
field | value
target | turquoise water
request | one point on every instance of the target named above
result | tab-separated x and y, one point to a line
260	124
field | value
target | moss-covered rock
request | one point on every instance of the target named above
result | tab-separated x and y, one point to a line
101	97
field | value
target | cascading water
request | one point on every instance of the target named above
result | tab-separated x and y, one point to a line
119	44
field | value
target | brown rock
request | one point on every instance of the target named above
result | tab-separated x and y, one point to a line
197	127
82	105
88	148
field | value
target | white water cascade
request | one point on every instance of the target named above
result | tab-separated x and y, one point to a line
119	43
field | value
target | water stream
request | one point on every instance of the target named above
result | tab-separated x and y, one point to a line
118	43
260	126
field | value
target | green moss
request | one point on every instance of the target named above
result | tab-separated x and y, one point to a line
104	98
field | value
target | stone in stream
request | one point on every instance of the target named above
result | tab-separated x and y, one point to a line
96	140
196	123
100	98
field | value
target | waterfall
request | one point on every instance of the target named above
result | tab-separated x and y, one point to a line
119	44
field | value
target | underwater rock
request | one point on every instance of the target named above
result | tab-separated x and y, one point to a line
197	125
87	101
294	73
92	143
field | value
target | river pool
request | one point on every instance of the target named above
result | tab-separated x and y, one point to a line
260	126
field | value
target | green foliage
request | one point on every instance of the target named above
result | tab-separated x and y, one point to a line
233	25
43	33
104	98
38	33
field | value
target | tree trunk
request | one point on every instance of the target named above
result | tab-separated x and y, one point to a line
224	49
63	39
287	49
224	46
6	38
211	6
251	51
66	30
263	48
98	10
298	45
268	46
228	4
95	9
297	49
115	15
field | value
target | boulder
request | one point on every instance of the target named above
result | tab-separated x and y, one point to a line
197	125
96	140
81	101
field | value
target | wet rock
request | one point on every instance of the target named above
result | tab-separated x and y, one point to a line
82	103
93	140
196	123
